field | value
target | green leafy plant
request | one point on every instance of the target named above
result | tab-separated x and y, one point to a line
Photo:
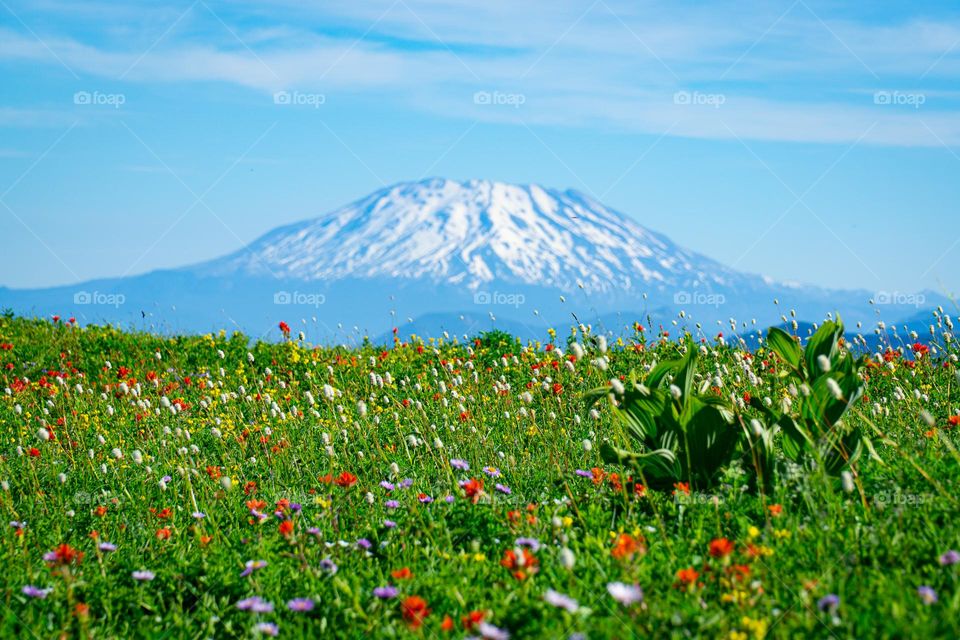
824	382
683	435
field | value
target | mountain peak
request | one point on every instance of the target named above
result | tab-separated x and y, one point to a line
473	233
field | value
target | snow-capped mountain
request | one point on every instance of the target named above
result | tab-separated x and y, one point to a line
440	255
475	234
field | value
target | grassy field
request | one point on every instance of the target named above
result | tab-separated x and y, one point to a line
207	487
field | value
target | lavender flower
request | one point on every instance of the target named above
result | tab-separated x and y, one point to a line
107	546
328	565
829	602
256	604
387	592
493	472
36	592
583	473
561	601
143	575
533	543
363	543
459	464
625	594
425	499
251	566
502	488
949	557
927	594
389	524
199	515
300	604
389	486
490	632
267	628
406	483
391	504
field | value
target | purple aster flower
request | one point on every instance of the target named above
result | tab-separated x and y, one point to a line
391	504
300	604
36	592
107	546
166	479
449	499
251	566
502	488
256	604
389	524
16	524
267	628
533	543
459	464
424	498
363	543
296	507
328	565
490	632
199	515
50	556
927	594
949	557
314	531
406	483
387	592
143	575
493	472
625	594
583	473
561	601
829	602
389	486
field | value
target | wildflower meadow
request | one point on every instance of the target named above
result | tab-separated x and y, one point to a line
742	482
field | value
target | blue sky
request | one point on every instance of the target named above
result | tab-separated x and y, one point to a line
806	141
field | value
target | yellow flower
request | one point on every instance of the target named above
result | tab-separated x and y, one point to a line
782	534
753	532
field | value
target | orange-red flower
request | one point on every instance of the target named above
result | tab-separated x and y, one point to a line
414	610
163	534
472	620
473	488
775	510
522	565
64	555
720	548
687	577
402	573
286	527
345	479
626	546
598	475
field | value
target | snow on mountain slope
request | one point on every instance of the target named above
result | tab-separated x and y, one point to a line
478	232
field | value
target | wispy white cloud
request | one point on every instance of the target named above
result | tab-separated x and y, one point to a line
790	72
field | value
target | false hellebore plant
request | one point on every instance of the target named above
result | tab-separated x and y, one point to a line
685	434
